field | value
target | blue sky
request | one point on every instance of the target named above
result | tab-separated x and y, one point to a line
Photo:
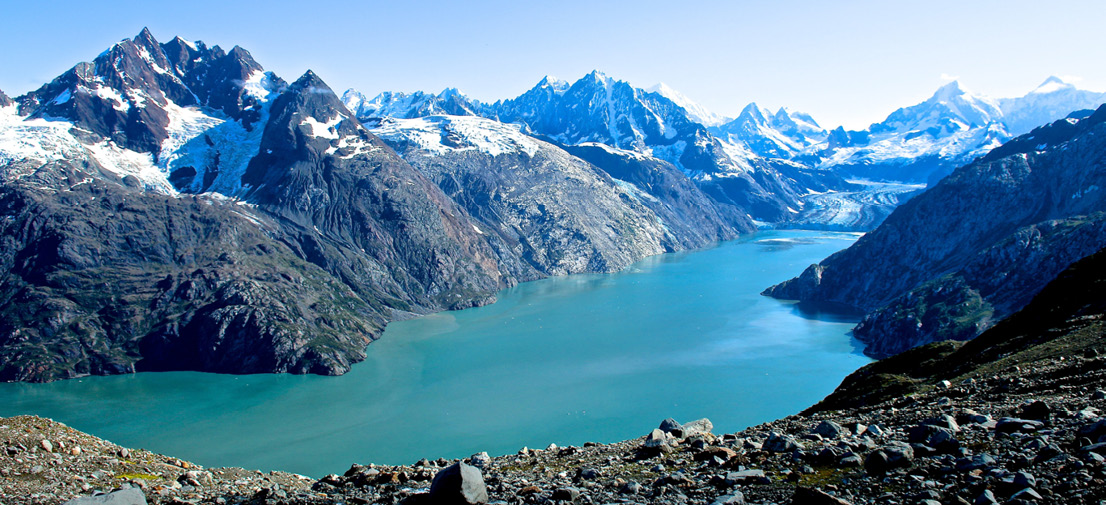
845	62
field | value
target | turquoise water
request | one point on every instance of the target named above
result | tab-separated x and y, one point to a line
566	360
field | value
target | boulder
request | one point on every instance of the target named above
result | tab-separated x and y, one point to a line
830	429
458	484
781	443
889	457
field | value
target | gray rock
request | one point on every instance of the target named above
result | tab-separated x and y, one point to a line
669	425
1024	480
809	496
977	462
1016	425
698	427
459	484
129	496
830	429
480	460
781	443
630	488
1028	494
889	457
587	474
747	477
734	498
985	498
565	494
944	421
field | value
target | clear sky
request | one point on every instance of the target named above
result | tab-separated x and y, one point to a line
845	62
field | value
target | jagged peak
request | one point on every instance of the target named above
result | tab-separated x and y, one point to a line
450	93
949	91
753	112
146	36
310	81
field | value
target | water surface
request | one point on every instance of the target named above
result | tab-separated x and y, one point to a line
566	360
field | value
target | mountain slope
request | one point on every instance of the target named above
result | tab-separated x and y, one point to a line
555	212
976	247
308	236
1063	320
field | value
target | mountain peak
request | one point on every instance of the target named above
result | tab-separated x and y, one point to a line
1052	85
310	78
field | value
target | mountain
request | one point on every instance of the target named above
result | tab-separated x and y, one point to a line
1053	99
176	207
925	142
976	247
406	106
784	134
555	211
306	233
695	112
4	100
600	109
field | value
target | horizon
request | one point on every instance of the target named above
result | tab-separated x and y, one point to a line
867	59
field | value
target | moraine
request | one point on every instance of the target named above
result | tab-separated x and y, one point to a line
564	360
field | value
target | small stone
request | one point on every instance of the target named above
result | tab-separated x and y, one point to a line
809	496
46	446
630	488
76	451
587	474
128	496
985	498
480	460
754	476
1028	494
528	490
781	443
565	494
124	453
734	498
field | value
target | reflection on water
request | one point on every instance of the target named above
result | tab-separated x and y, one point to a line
565	360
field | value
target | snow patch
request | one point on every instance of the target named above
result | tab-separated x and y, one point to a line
465	133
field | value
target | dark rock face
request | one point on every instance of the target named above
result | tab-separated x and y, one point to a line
543	210
4	100
1064	319
693	218
102	274
100	280
976	247
353	207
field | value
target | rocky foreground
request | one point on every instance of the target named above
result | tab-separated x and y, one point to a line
1028	434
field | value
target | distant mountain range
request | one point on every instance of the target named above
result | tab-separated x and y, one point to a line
919	143
976	247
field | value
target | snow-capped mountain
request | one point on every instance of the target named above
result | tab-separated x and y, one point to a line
409	105
926	141
784	134
1052	100
695	112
